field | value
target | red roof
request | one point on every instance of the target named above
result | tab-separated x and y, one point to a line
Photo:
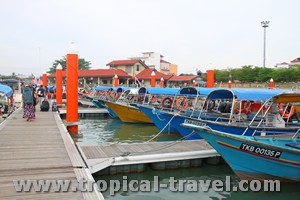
183	78
296	60
123	62
98	73
146	74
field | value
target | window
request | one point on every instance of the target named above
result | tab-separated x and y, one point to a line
128	69
137	67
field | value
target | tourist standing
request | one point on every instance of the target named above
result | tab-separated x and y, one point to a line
41	92
28	99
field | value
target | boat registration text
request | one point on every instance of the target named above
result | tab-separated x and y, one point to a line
260	151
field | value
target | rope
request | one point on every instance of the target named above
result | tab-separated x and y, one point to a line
163	147
161	129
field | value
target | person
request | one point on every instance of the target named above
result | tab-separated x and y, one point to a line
41	94
28	100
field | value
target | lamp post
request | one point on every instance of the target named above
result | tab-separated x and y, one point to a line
265	24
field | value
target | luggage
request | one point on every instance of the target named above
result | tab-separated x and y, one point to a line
45	105
54	106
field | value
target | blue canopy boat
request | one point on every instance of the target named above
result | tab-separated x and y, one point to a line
155	97
184	100
6	104
259	158
6	90
267	119
108	94
210	113
275	156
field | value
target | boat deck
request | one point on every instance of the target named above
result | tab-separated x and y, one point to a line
99	157
39	150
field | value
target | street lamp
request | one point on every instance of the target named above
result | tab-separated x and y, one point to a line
265	24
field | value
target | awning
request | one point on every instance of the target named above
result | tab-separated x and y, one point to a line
8	91
244	94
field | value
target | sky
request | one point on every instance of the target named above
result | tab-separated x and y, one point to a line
194	34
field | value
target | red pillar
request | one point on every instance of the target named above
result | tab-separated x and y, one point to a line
59	85
210	79
272	84
72	89
116	81
44	78
194	83
153	79
229	84
162	84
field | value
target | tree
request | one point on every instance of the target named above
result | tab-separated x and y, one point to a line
82	64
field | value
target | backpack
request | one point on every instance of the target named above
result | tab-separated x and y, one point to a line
28	95
51	90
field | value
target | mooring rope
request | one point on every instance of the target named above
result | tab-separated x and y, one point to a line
162	129
163	147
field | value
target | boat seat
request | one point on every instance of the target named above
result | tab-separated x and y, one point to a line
297	146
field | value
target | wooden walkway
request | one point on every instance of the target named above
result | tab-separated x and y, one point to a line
39	150
99	157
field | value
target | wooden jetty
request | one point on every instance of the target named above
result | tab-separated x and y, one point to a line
39	150
100	157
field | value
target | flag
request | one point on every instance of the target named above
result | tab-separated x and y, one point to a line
33	79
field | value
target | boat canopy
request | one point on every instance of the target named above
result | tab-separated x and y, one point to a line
158	91
195	91
131	91
6	90
122	89
287	98
100	88
244	94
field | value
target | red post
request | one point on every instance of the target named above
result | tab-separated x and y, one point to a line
210	79
153	79
162	84
116	81
194	83
229	84
72	89
272	84
59	85
44	78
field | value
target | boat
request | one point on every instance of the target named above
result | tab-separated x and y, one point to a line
186	102
125	107
154	99
257	157
6	100
184	97
266	119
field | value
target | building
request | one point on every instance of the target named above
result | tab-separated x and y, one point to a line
295	61
131	67
173	69
155	60
182	81
144	78
94	77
